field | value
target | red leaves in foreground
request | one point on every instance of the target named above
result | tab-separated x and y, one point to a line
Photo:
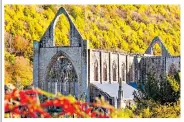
25	103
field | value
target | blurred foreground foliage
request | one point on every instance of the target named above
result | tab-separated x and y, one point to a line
26	104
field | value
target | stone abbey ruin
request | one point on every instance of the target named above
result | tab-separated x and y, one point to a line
92	73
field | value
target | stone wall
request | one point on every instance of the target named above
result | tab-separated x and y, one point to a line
93	65
172	64
164	50
122	67
150	65
47	56
115	65
104	61
130	68
45	52
136	66
158	65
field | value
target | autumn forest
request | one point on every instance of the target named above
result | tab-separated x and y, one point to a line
127	28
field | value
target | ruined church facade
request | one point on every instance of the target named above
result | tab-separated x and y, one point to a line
90	73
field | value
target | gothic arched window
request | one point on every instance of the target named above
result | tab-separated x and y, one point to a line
156	49
131	71
61	74
105	71
96	71
123	71
114	67
172	70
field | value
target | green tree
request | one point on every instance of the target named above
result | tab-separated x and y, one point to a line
162	91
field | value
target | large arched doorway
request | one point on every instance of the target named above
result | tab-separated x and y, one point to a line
61	76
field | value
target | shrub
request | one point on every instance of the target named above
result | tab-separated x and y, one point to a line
26	103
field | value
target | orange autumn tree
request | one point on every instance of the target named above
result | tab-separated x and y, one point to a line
18	72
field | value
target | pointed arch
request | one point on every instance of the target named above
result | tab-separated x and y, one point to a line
47	39
172	69
61	74
114	69
96	70
63	26
105	71
123	71
164	50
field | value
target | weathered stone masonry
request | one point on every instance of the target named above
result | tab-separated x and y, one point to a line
81	71
45	50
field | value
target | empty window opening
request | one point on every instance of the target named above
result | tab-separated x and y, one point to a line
105	71
114	67
172	70
96	71
157	50
62	32
123	71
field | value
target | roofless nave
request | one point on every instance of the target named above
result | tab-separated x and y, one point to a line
81	71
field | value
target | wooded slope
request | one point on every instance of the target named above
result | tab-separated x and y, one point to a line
128	28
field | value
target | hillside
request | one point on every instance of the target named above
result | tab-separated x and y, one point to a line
129	28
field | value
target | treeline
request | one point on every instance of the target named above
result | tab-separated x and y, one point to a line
128	28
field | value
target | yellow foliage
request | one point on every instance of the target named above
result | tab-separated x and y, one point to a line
129	28
20	72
